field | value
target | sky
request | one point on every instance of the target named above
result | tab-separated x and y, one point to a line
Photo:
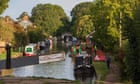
17	7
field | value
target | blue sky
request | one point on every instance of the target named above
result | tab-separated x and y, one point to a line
16	7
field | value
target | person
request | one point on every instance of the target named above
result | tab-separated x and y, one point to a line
95	49
108	61
88	46
97	58
38	48
76	49
51	42
73	50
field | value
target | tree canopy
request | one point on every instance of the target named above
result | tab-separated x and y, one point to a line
3	5
81	10
48	17
6	31
83	26
82	23
133	56
109	20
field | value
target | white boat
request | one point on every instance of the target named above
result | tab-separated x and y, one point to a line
52	57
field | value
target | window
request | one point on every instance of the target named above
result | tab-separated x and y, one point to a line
29	50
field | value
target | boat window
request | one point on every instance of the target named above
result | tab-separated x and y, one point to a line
29	50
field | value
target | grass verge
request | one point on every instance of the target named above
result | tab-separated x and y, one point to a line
1	82
101	70
14	55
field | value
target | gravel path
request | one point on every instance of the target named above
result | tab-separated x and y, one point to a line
113	76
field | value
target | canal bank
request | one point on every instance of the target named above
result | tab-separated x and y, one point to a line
34	80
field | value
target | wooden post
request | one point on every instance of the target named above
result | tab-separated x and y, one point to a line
8	56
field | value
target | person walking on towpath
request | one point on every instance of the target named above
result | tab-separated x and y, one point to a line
108	60
51	43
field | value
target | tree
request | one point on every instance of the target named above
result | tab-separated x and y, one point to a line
133	57
3	5
81	10
106	31
83	26
6	31
117	15
36	35
22	15
48	17
21	39
109	17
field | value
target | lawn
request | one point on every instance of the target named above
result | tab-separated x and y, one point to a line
2	56
14	55
1	82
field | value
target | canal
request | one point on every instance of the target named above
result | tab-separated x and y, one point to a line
59	70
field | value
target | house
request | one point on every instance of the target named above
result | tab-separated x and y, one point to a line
24	21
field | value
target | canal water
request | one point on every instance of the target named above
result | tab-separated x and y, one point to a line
59	70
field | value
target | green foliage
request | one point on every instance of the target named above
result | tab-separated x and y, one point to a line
101	69
82	23
105	24
48	17
109	23
21	39
83	26
133	59
113	20
22	15
81	10
3	5
1	82
36	35
6	31
32	35
2	56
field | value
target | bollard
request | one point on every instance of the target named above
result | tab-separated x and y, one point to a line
8	56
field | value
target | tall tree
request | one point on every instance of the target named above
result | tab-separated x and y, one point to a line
3	5
109	16
36	35
6	31
81	10
81	19
106	32
83	26
117	15
133	58
22	15
48	17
